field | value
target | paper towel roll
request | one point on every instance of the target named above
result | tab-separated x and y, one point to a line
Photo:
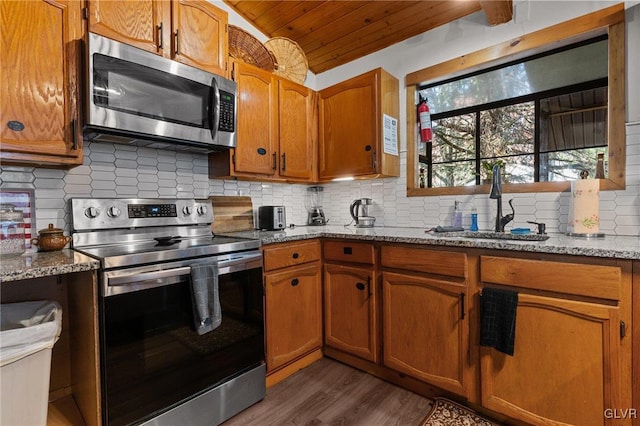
584	216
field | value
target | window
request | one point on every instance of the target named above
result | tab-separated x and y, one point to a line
540	126
518	103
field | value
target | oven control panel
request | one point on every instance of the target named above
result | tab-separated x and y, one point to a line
103	213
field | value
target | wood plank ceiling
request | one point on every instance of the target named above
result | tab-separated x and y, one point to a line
332	33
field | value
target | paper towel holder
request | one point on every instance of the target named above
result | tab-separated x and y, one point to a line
584	174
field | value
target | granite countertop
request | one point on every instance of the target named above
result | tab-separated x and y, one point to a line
41	264
33	264
618	247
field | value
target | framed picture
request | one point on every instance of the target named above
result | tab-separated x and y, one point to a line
23	199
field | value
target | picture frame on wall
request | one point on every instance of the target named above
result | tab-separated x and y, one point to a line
23	199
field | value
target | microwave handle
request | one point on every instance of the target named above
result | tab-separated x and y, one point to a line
214	108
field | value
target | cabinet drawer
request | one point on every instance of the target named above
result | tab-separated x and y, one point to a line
453	264
289	254
343	251
601	281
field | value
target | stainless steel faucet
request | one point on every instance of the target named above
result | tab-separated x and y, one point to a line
496	194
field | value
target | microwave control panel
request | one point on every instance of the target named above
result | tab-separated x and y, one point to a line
227	113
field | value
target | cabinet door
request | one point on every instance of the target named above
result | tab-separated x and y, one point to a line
564	369
349	130
199	35
297	130
39	87
425	330
257	132
142	23
293	314
350	313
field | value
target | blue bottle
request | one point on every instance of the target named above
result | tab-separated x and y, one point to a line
474	220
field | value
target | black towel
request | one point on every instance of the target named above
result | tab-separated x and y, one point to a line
498	319
207	313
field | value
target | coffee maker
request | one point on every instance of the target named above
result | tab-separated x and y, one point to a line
313	203
360	213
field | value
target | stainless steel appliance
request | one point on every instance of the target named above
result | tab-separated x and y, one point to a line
156	370
313	203
359	210
271	218
137	97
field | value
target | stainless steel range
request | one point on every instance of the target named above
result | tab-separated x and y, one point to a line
159	364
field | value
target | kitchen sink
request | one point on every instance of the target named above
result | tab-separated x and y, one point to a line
487	235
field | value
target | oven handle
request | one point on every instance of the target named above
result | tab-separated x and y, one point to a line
142	280
148	276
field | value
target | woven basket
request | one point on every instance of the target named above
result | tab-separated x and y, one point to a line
291	62
248	49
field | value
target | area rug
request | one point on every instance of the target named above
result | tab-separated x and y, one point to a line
449	413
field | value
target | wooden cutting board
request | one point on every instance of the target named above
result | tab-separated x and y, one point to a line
231	213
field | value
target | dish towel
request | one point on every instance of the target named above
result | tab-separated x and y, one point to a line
207	313
498	319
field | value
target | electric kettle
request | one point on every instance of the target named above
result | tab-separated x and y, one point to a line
359	210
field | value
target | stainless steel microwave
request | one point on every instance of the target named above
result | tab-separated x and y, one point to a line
136	97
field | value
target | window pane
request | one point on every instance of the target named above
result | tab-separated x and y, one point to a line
519	169
507	131
454	138
577	65
567	165
454	174
574	120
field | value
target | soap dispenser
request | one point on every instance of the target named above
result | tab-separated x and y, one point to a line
456	218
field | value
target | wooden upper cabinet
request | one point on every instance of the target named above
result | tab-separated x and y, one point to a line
200	35
39	88
138	23
191	32
351	135
276	132
297	126
257	133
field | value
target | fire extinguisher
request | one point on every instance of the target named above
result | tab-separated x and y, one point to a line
424	120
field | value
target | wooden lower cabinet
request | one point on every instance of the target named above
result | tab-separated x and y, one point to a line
293	314
293	303
572	358
565	366
350	298
425	330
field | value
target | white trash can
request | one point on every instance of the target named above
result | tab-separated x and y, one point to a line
28	331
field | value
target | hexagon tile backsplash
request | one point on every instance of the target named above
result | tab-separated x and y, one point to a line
123	171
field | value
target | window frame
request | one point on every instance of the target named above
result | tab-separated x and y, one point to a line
608	21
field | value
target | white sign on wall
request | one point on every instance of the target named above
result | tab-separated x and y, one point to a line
390	134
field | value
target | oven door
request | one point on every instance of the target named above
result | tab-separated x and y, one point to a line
153	360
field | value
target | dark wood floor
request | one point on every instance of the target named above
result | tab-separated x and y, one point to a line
331	393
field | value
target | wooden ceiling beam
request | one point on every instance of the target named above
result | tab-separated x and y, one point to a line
497	11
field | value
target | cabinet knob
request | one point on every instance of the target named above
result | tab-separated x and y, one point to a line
360	286
295	255
294	282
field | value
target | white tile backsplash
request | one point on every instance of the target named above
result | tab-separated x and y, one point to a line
114	170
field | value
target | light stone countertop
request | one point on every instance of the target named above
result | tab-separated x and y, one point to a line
32	264
41	264
617	247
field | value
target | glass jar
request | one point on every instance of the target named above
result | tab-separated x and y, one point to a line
11	230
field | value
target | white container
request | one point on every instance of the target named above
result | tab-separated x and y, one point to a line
28	332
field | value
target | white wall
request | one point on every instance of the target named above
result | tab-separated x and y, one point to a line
124	171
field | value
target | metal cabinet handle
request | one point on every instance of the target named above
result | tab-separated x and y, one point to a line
295	255
160	40
294	282
177	41
74	137
360	286
284	162
275	160
462	307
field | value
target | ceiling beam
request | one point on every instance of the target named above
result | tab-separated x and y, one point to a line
497	11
